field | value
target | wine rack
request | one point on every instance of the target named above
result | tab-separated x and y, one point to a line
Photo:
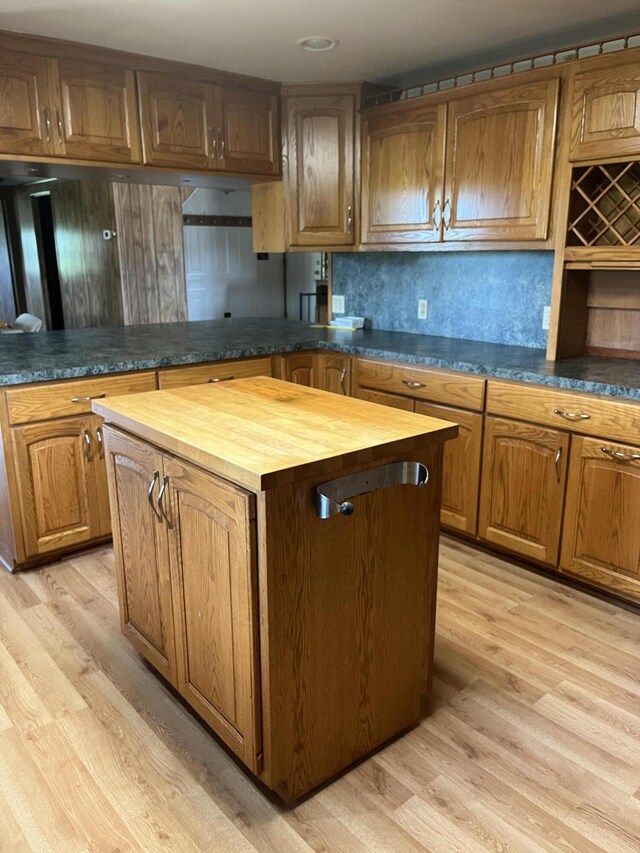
604	208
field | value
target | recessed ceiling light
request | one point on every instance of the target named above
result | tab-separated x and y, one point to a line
318	43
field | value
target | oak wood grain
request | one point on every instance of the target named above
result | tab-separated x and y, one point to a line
217	371
260	432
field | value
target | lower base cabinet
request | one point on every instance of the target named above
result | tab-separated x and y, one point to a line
601	540
461	467
61	483
524	472
185	552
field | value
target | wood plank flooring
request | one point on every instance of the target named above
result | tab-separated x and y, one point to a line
532	743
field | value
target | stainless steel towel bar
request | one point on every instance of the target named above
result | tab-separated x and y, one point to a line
334	497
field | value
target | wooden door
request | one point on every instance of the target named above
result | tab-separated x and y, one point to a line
57	484
601	539
402	173
141	544
95	111
499	163
214	576
320	143
333	373
524	469
102	485
461	467
178	120
298	367
26	117
606	113
247	131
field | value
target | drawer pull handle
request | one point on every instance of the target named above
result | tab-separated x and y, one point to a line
47	121
342	378
221	379
446	219
572	416
437	216
410	384
152	486
87	399
100	444
87	445
334	497
618	454
165	481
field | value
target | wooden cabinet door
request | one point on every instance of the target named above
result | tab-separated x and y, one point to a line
402	173
524	469
320	143
57	484
606	113
248	131
215	600
333	373
499	163
461	467
601	539
102	485
299	368
96	119
178	120
141	544
26	118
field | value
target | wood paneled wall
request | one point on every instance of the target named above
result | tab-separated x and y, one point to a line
7	295
33	282
88	265
150	245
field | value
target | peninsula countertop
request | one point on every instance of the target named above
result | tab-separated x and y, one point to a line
90	352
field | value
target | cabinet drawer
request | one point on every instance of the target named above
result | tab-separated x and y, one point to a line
217	371
59	399
581	413
384	399
440	386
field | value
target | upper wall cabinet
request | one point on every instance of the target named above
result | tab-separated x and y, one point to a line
64	108
248	131
499	163
197	125
606	112
320	133
96	117
178	121
402	174
25	112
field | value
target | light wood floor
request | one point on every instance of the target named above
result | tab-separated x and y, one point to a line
532	744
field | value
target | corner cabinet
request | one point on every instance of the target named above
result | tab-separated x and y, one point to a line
187	583
194	124
499	163
605	119
402	174
601	539
320	169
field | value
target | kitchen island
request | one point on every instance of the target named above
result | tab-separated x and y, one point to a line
277	560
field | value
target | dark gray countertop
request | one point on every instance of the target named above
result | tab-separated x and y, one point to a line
91	352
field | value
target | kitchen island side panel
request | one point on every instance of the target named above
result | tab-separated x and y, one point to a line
347	618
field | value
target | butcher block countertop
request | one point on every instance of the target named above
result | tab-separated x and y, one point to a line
262	432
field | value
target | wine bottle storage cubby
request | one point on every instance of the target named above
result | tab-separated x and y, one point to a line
604	208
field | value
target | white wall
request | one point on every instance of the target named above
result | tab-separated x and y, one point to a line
222	270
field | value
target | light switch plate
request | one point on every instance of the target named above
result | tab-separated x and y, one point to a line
423	309
546	317
337	304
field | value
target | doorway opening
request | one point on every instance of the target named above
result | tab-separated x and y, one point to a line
45	237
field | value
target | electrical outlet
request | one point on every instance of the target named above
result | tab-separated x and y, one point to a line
546	317
423	309
337	304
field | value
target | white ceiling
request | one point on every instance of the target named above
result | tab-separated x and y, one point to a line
379	39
